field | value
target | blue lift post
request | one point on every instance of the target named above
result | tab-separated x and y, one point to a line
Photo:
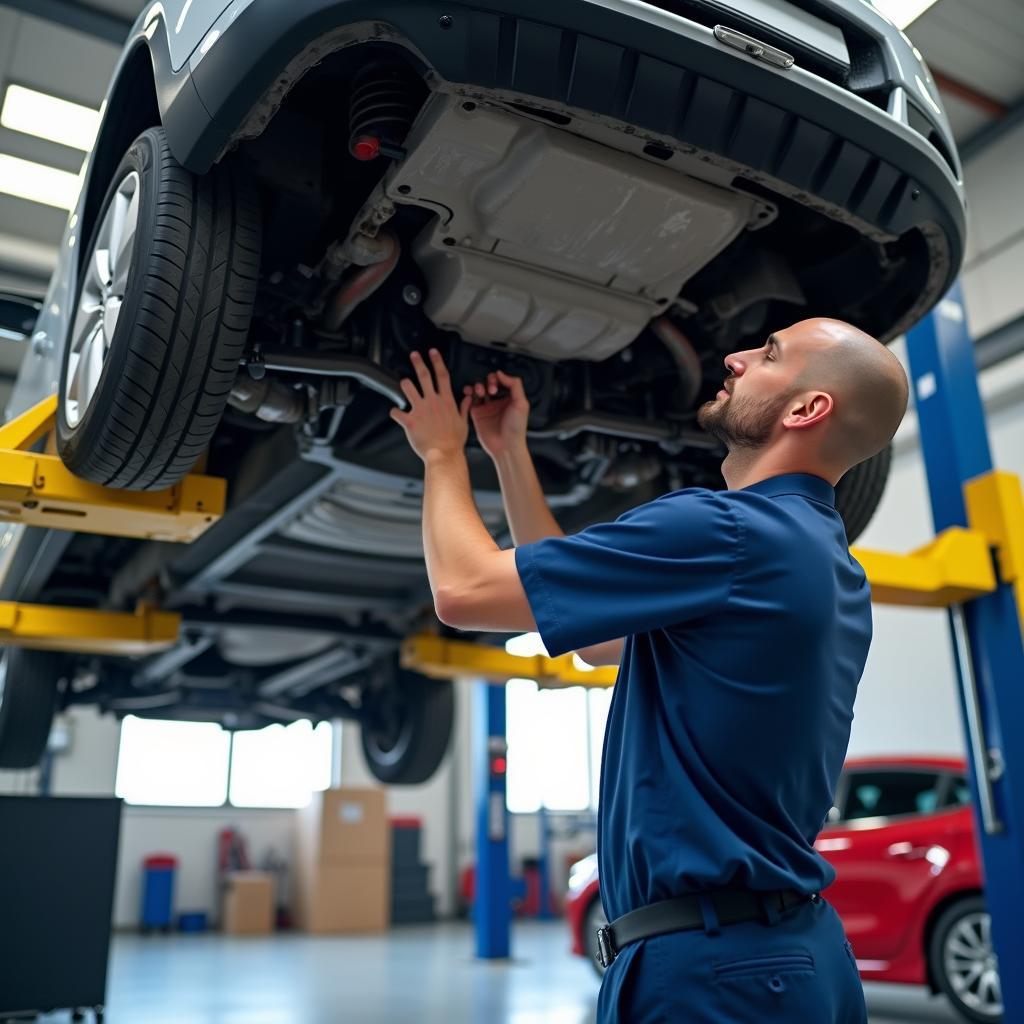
492	911
986	631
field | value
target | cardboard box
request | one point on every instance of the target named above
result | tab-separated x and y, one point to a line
342	863
248	905
344	898
347	826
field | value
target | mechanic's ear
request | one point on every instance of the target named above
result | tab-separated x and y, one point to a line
813	409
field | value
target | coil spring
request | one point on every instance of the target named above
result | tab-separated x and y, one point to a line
384	104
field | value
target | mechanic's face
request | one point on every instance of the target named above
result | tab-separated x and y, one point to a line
751	404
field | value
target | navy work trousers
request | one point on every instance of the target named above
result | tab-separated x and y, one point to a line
796	967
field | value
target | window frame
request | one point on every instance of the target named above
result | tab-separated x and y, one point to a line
227	804
594	754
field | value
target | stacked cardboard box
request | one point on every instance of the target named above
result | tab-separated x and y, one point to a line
248	907
343	862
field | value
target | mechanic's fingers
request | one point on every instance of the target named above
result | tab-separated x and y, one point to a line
492	383
444	382
422	373
479	391
464	407
409	390
514	384
398	416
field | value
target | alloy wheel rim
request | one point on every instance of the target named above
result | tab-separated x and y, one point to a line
972	966
103	292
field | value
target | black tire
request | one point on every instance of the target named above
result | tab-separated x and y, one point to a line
182	327
407	728
962	913
860	490
592	920
28	700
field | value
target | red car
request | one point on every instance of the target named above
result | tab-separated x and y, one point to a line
908	881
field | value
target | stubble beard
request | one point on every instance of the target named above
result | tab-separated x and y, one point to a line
741	423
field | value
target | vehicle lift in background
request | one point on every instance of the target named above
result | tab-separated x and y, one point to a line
974	568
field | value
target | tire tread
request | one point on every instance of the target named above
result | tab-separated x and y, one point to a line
196	286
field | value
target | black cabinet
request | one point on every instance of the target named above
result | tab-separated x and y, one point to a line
58	857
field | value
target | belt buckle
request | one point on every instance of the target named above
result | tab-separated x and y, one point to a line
605	951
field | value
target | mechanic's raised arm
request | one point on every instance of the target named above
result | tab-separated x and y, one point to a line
500	412
475	584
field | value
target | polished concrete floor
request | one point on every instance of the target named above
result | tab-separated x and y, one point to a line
420	975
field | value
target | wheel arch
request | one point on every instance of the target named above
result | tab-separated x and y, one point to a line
131	107
929	927
145	92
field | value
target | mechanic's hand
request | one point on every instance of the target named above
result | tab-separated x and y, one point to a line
500	420
433	423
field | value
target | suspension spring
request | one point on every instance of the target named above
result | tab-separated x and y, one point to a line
385	100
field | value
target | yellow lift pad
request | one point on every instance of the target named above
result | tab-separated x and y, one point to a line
38	490
953	568
86	630
995	505
442	658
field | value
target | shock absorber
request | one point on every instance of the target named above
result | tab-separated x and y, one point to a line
386	98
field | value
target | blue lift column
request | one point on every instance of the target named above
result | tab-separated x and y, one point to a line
986	631
492	911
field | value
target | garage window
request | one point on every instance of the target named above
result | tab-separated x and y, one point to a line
554	746
199	764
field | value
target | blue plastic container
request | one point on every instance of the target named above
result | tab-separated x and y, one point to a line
158	891
192	921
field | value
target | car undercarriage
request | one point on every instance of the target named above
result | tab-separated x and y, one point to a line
609	265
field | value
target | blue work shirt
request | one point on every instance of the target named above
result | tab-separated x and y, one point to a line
746	624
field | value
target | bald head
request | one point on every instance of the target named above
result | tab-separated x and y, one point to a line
819	397
867	384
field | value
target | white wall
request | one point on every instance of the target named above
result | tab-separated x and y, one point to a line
191	836
995	242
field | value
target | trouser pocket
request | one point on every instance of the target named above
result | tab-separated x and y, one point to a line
779	963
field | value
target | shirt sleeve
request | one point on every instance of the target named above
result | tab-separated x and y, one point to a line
661	564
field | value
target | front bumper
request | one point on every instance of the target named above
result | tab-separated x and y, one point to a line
630	63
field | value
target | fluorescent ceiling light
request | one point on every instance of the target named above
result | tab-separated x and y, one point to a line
37	182
902	12
47	117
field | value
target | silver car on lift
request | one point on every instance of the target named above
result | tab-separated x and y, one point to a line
285	199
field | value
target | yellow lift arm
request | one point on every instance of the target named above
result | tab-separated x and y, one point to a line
38	490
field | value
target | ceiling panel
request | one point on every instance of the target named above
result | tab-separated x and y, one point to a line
978	43
34	221
964	118
60	61
127	9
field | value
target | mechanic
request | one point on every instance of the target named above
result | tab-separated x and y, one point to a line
740	624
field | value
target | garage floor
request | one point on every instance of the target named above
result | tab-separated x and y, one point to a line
425	975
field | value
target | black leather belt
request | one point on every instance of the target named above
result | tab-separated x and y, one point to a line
684	912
